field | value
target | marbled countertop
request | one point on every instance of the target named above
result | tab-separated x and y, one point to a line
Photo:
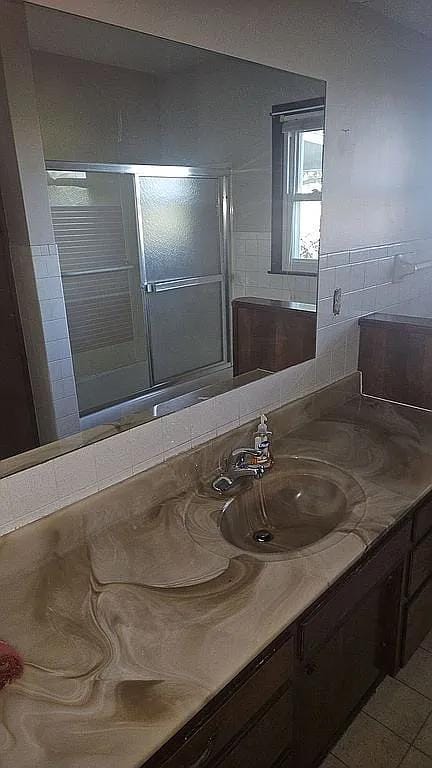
129	625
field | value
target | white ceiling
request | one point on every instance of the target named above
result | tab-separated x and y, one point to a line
416	14
80	38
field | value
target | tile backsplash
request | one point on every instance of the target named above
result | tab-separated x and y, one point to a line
365	277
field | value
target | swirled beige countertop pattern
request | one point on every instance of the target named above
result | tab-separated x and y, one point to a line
129	625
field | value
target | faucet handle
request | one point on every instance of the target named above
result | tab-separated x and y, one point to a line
238	456
245	452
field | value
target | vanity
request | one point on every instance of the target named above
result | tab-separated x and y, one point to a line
156	636
291	704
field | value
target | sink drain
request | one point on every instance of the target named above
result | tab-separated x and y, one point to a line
262	536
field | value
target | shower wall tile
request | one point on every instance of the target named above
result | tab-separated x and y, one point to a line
32	489
146	442
113	456
75	471
176	430
46	337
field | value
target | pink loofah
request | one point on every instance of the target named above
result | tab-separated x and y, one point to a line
11	664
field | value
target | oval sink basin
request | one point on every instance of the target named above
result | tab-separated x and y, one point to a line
297	504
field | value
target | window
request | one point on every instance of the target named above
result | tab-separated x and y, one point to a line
298	140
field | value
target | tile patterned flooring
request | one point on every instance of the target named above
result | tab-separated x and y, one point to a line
394	729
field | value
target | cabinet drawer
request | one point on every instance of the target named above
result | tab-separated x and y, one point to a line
267	739
319	625
420	564
418	620
422	520
223	725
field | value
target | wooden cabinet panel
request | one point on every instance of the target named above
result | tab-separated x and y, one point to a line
205	744
269	738
271	335
317	703
418	621
395	358
345	669
422	520
320	624
420	564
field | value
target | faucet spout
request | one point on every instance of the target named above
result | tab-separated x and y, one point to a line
247	462
238	467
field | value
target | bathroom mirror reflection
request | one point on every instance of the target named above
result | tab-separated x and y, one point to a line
184	191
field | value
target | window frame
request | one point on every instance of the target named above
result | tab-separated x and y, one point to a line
283	201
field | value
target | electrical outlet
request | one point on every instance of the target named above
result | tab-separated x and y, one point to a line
337	301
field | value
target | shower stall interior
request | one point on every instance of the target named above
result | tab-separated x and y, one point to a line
144	258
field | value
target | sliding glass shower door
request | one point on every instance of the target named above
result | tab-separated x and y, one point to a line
143	262
184	278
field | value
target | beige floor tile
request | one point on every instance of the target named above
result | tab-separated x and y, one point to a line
416	759
332	762
367	743
418	672
424	739
400	708
427	642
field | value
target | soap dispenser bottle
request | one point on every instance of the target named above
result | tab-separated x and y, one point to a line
262	443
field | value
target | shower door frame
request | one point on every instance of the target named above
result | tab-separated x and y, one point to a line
137	171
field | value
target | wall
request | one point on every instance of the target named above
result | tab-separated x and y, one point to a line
95	113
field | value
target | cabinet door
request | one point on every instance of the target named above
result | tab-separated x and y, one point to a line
418	621
339	675
240	710
267	739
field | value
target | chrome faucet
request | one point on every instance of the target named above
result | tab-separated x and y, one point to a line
238	467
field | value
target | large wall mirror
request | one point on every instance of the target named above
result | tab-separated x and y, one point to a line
184	189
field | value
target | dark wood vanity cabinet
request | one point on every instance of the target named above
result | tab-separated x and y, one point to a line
250	723
290	705
417	609
340	673
395	358
347	643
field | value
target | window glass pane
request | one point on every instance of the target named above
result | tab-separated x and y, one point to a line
310	161
307	229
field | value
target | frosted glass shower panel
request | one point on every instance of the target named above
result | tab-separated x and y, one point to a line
181	230
186	329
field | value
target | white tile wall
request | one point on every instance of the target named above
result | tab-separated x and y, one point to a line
43	314
250	266
366	276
